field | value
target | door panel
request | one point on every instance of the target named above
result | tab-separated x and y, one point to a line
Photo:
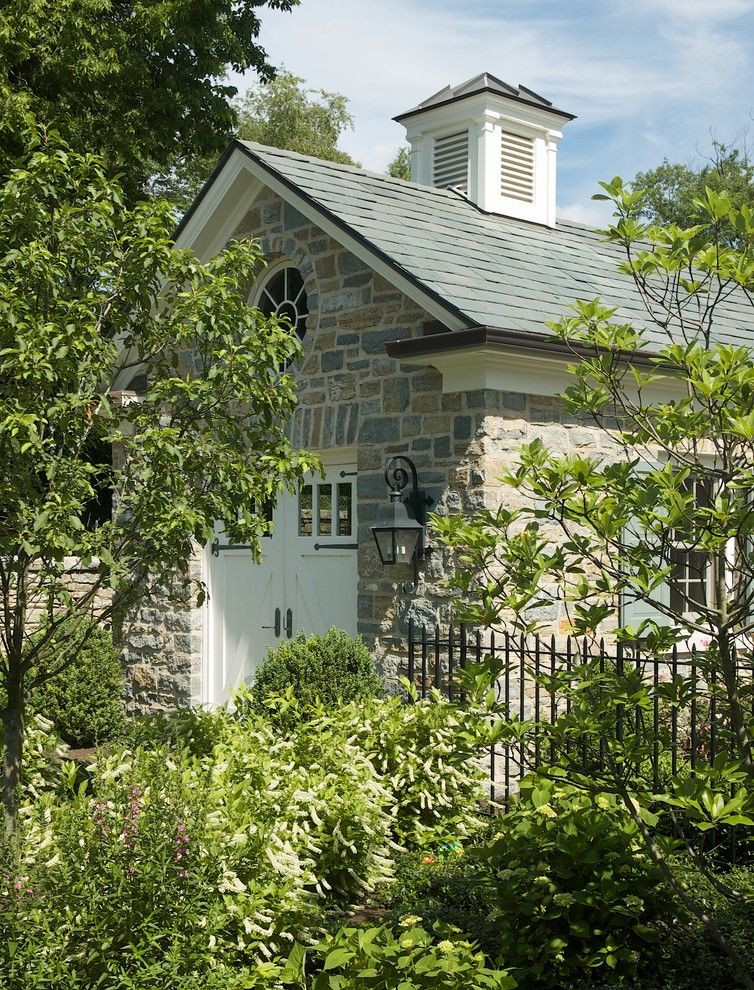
323	591
244	597
320	552
308	568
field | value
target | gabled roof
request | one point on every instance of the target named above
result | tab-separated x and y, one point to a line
485	82
482	269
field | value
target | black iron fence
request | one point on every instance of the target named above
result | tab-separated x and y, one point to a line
530	686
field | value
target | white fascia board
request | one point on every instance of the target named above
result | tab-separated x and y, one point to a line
485	104
516	370
224	206
233	192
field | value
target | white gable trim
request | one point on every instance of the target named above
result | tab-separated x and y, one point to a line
232	191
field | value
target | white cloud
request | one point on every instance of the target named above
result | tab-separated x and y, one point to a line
706	11
592	214
646	77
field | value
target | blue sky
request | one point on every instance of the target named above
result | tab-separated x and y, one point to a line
647	78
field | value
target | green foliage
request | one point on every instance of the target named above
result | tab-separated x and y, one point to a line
597	534
284	113
138	82
447	887
42	772
332	669
671	190
168	866
409	959
84	701
687	958
213	844
575	892
81	277
192	729
428	754
400	166
319	807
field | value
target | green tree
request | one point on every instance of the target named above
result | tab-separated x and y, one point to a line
138	81
285	113
671	191
91	293
671	513
400	166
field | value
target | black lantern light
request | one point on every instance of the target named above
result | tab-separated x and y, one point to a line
399	529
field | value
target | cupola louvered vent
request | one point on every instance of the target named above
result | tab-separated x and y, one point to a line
517	167
451	161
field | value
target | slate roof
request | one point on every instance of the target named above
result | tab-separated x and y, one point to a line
485	82
488	270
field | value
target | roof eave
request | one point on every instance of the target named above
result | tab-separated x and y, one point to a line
417	111
499	338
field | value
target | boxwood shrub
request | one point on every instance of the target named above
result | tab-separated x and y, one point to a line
332	669
85	701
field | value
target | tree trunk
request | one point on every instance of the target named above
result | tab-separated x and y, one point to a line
738	720
13	737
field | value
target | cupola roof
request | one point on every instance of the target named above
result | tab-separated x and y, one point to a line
484	82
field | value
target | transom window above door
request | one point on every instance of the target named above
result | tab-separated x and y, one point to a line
283	294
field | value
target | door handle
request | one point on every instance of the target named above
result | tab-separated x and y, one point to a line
289	623
276	627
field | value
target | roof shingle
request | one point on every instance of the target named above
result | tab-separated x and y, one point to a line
496	271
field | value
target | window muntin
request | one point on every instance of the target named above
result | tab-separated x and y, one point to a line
284	295
326	509
691	577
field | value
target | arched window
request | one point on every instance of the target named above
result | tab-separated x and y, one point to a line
283	295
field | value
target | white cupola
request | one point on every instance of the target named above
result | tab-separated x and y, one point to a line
496	144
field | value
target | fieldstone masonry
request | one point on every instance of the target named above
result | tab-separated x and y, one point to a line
352	394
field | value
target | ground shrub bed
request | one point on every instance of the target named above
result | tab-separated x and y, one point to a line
174	857
240	848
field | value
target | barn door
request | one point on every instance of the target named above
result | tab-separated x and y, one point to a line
305	582
246	601
320	553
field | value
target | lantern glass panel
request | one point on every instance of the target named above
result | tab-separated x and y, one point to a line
385	539
405	545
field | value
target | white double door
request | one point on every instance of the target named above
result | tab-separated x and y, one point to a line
306	580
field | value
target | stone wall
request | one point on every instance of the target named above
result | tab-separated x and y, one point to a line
162	648
353	395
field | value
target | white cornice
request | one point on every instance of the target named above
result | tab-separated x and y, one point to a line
505	369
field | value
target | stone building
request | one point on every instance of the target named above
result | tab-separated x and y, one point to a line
421	308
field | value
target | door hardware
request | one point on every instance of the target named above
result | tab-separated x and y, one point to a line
336	546
276	627
289	623
217	546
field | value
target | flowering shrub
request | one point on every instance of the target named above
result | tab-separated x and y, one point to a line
218	841
117	890
428	754
411	958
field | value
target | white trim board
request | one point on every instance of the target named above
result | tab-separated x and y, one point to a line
514	370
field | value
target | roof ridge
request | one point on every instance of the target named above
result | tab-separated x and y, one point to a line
403	184
342	166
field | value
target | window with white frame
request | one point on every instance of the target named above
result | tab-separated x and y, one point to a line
283	294
691	577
